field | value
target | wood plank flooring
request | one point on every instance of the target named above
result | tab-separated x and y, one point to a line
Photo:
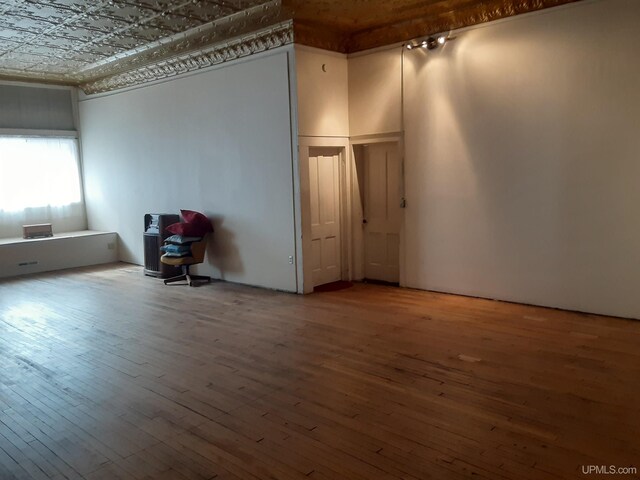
107	374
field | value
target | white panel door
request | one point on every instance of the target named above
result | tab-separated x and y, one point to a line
382	213
325	215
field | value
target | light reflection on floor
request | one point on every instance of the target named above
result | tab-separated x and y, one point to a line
28	317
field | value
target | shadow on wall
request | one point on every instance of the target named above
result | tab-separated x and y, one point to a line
222	251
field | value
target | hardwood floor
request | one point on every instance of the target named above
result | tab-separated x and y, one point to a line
106	374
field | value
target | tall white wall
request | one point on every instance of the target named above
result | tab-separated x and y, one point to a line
219	142
522	158
323	93
375	93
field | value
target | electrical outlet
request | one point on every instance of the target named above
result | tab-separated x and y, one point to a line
291	259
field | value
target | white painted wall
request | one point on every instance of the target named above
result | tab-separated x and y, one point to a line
522	160
375	93
219	142
323	93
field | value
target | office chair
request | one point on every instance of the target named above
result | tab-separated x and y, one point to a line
198	250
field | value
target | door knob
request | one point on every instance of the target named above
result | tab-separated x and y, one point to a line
364	220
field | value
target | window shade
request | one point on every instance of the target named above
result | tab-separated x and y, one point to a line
36	108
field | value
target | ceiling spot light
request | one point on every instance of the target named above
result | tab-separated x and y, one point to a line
431	43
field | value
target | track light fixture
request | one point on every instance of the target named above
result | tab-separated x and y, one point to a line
429	43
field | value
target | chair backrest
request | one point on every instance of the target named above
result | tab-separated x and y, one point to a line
198	249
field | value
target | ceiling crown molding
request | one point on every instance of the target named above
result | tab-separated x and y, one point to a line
216	32
266	39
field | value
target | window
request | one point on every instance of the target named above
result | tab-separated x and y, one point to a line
40	183
38	172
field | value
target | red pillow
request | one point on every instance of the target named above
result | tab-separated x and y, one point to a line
197	218
186	229
195	225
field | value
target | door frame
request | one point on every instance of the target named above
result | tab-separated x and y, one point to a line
398	139
348	194
344	179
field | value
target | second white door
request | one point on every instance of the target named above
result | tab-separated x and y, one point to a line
382	213
324	185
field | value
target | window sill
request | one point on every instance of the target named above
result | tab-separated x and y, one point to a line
56	236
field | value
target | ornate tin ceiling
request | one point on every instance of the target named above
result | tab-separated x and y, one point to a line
106	44
79	41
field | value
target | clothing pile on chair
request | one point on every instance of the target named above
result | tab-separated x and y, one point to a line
193	229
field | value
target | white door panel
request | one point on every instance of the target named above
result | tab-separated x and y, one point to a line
325	215
382	213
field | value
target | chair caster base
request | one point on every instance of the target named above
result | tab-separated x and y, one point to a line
190	279
175	279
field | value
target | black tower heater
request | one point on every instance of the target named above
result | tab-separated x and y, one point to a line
155	225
